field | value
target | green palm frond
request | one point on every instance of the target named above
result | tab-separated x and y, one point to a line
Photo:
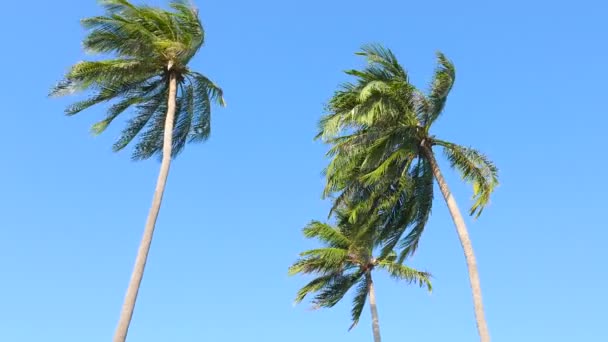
151	139
335	290
146	45
359	300
378	54
145	92
422	202
331	255
395	224
475	168
314	286
205	85
183	120
390	257
408	274
445	76
321	260
326	234
114	112
155	106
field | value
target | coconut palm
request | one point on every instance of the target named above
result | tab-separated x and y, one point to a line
147	71
383	156
345	261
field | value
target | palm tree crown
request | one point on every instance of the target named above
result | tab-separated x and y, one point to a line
345	261
148	45
379	131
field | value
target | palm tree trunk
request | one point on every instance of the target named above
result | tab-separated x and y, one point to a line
373	308
144	248
465	241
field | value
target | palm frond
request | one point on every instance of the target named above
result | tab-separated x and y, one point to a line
326	234
205	85
155	106
151	140
408	274
321	260
378	54
445	75
475	168
183	120
422	202
335	290
314	286
359	301
135	95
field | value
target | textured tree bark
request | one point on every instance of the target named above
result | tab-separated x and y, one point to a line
144	248
373	308
465	241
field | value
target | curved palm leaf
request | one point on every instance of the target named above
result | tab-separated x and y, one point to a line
445	76
475	168
359	301
408	274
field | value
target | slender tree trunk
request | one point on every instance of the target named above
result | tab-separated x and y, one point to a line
373	308
144	248
465	241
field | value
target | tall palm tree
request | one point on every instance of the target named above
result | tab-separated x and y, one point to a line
345	261
384	160
149	51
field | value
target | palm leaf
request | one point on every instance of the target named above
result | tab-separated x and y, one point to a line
445	75
359	301
326	234
408	274
335	290
475	168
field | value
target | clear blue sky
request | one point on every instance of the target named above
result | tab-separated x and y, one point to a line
530	92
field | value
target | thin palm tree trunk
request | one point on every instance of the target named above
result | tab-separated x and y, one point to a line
144	248
373	308
465	241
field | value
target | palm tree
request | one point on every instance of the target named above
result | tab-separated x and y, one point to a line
384	159
149	51
345	261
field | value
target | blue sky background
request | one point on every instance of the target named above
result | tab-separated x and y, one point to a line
530	92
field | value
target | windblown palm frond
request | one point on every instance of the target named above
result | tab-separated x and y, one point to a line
408	274
475	168
445	76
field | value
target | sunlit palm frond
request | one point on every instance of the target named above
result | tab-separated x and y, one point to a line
475	168
327	234
445	76
359	300
408	274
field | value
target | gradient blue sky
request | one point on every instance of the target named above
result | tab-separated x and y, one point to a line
530	92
